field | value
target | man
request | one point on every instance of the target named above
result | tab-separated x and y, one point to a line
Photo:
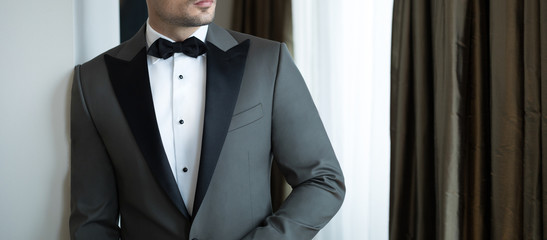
177	139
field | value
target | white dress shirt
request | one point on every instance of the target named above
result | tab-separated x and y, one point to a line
178	92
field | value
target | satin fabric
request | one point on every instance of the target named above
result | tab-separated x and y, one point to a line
469	120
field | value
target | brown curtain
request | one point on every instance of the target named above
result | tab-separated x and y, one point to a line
469	120
271	19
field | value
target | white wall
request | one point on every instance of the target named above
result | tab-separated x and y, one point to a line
38	55
97	27
35	68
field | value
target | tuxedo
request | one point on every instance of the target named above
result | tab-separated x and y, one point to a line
257	110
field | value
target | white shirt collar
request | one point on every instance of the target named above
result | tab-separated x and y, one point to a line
152	35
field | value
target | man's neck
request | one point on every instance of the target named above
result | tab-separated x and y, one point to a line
176	33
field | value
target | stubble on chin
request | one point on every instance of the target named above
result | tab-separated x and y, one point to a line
190	21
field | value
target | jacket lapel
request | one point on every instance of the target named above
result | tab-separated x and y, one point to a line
128	72
225	67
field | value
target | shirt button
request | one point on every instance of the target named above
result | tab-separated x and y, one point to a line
181	77
181	121
185	169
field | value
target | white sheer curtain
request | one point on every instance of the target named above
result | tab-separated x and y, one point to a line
342	48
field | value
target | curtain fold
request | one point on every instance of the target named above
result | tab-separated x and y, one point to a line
468	120
271	19
475	74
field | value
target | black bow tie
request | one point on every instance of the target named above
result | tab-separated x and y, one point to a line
163	48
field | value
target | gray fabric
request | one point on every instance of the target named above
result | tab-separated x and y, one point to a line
274	118
269	19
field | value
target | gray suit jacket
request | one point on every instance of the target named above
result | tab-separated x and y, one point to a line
257	109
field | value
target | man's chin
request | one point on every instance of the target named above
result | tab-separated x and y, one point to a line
203	21
192	22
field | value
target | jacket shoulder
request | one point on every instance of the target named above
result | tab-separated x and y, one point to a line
256	42
99	59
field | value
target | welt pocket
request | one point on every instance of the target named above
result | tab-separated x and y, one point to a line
246	117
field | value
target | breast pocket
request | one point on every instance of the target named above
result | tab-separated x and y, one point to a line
246	117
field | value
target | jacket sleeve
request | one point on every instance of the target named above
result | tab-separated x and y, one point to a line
93	194
305	156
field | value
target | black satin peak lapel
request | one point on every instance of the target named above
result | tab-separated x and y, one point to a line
132	87
224	74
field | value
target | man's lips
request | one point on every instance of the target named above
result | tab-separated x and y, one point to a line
204	3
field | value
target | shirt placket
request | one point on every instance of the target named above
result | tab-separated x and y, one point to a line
178	117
